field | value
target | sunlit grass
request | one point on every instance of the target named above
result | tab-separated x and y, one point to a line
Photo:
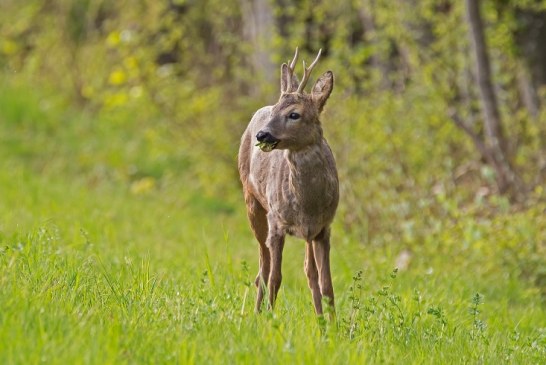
112	278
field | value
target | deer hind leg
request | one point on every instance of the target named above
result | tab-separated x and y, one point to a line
312	277
321	249
275	243
258	222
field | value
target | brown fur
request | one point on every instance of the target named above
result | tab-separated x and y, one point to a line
293	189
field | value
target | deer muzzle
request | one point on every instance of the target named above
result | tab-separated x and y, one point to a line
266	141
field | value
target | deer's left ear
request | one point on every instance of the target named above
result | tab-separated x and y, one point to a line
322	89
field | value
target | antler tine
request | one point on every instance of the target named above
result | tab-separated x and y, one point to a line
307	72
293	63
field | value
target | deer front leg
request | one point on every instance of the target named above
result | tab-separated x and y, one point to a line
321	249
313	277
262	277
275	243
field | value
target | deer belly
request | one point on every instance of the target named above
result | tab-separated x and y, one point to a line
308	226
305	232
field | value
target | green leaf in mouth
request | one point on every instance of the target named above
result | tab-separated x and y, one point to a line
266	146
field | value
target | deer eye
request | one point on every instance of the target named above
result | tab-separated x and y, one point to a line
294	116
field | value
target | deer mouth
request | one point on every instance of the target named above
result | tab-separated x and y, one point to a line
267	146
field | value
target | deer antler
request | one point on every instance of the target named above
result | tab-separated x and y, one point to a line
293	63
307	72
291	68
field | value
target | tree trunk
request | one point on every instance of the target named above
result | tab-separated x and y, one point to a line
507	180
258	31
531	40
527	91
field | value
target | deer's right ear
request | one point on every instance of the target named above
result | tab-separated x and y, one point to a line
289	81
284	78
322	89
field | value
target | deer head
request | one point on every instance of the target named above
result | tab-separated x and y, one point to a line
294	121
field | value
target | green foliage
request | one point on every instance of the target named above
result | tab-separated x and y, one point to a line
188	67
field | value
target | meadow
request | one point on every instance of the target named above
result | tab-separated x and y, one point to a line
110	254
123	232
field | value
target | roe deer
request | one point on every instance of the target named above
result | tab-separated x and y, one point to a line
290	183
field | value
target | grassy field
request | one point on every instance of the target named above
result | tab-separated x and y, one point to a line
110	254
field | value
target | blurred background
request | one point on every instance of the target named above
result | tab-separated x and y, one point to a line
438	114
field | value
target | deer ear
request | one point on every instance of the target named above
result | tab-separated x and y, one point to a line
285	75
322	89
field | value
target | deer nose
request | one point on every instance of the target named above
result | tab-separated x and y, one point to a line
266	137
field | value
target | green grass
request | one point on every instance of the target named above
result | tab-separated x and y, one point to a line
100	265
